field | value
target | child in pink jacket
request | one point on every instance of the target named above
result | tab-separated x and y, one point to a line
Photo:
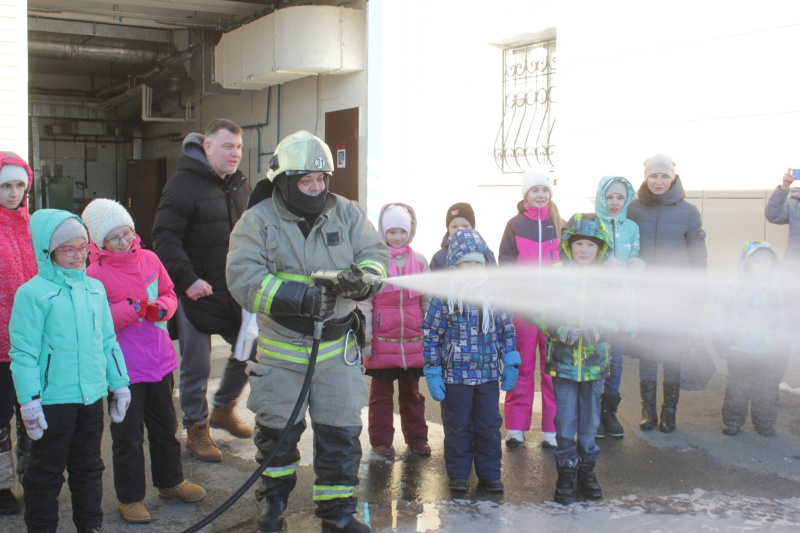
142	299
394	340
17	265
533	236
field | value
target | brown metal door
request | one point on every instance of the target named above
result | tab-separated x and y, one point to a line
144	179
341	134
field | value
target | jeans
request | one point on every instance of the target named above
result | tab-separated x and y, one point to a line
577	412
612	382
195	348
648	371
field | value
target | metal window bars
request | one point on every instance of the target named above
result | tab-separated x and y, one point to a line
525	137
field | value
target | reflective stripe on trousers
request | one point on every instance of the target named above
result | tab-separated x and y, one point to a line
281	471
332	492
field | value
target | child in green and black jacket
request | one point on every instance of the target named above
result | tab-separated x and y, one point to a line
577	352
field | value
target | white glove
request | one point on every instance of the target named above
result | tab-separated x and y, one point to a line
33	416
119	405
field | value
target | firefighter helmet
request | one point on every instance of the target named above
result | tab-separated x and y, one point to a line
300	153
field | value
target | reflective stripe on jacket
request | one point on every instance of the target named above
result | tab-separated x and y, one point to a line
267	247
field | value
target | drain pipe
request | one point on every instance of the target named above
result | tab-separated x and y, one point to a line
259	125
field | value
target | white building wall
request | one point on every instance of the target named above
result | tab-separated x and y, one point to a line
14	77
709	82
435	103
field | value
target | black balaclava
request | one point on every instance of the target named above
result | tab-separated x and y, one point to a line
301	204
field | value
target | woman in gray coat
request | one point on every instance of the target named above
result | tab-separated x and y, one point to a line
671	235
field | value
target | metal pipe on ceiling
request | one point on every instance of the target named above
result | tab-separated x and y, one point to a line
76	51
43	10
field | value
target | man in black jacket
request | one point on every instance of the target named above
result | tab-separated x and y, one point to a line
199	207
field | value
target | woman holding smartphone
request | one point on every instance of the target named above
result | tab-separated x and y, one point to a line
783	207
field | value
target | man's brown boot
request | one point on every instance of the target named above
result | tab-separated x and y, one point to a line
200	445
224	417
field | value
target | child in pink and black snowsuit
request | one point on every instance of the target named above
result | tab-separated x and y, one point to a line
142	299
394	340
17	265
531	237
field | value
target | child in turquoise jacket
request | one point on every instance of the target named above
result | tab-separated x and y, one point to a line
614	195
64	360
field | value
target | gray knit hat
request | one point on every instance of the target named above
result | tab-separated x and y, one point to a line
70	229
618	187
102	215
659	164
13	173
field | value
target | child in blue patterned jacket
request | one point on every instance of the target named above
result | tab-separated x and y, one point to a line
462	348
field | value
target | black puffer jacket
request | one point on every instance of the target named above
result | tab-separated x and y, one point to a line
193	223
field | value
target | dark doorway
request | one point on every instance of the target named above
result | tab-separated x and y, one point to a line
144	179
341	134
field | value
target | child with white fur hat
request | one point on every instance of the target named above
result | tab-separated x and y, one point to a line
394	340
532	237
17	265
142	299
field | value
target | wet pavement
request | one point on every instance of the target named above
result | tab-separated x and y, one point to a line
695	479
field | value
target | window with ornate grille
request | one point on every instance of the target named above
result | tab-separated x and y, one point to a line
526	134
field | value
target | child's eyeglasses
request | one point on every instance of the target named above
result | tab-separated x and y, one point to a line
117	240
72	251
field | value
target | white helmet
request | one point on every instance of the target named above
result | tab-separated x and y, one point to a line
300	153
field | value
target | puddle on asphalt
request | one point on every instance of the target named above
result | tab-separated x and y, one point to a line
701	510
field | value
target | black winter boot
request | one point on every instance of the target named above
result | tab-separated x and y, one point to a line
672	391
345	524
271	519
649	413
600	431
587	481
566	486
608	415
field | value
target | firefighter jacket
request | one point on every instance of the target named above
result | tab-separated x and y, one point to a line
268	249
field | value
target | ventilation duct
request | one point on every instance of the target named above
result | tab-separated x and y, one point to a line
290	44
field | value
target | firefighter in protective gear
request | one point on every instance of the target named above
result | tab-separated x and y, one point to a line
294	227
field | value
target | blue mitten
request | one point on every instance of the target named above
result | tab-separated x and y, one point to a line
511	362
435	382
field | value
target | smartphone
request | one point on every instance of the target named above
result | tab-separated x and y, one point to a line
796	172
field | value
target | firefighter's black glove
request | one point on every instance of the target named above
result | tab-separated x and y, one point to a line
318	302
351	284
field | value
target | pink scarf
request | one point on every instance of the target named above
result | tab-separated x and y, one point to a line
412	266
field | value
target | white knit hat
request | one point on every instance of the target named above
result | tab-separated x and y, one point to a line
103	215
396	216
13	173
70	228
536	176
